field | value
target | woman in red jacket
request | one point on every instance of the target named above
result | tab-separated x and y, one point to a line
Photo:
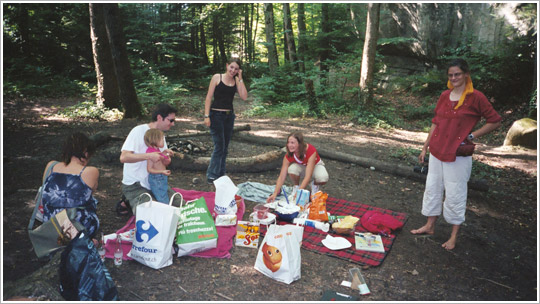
457	112
301	161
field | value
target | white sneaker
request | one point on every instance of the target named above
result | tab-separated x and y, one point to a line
314	188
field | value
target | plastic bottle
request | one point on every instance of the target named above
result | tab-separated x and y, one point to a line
118	252
101	248
315	224
358	278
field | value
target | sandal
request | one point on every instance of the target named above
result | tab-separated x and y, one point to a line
123	210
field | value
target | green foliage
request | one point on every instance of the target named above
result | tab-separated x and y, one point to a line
380	114
282	87
89	110
484	171
154	88
508	66
407	155
24	80
423	84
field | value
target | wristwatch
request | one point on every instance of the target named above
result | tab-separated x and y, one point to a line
241	80
206	116
470	136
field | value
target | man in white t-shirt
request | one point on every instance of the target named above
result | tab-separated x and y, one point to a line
134	158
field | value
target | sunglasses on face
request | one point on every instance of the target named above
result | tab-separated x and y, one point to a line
170	120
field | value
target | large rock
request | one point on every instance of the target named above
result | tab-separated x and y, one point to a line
522	133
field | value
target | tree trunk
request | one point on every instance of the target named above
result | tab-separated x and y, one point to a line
236	129
202	53
258	163
301	37
270	38
115	33
311	97
352	14
392	168
289	36
370	48
324	39
108	93
254	11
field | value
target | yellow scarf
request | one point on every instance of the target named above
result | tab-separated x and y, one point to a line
468	90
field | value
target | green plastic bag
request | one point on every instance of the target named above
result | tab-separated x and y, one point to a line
196	228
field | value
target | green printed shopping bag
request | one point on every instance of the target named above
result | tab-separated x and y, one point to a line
196	228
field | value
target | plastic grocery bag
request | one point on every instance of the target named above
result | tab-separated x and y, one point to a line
225	202
155	229
279	253
196	229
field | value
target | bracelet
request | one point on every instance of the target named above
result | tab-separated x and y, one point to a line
241	80
206	116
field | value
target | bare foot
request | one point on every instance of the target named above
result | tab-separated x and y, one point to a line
450	244
424	230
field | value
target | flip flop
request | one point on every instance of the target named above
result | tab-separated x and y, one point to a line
123	210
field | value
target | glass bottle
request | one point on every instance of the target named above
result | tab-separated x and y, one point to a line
118	252
101	248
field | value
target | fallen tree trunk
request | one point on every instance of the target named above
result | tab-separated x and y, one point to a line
391	168
100	138
258	163
183	135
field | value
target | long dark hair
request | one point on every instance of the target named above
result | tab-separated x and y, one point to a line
302	146
78	145
461	64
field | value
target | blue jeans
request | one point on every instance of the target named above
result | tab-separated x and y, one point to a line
221	129
159	186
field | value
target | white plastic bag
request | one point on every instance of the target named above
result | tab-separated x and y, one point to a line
155	231
279	253
225	203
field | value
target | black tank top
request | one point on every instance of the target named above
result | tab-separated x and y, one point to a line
224	95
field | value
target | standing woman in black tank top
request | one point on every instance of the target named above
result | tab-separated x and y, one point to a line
219	114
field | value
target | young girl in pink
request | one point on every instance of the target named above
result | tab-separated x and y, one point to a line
157	171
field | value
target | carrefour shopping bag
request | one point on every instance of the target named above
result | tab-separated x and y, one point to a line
155	229
196	229
279	254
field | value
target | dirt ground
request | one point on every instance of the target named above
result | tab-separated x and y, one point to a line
495	258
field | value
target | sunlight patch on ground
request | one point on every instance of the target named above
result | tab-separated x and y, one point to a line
271	133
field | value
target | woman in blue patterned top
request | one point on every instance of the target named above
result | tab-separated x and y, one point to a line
71	183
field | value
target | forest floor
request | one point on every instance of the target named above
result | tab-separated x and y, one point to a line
495	258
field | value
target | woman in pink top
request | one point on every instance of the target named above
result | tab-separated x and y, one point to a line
301	161
457	112
157	171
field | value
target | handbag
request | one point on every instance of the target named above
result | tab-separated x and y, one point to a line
196	228
466	148
38	200
55	233
155	227
83	276
279	254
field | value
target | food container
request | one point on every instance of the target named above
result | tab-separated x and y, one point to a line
344	231
348	225
262	211
288	217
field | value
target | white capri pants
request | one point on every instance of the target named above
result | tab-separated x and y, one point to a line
320	175
448	179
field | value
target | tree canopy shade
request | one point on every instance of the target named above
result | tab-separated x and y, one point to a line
171	48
